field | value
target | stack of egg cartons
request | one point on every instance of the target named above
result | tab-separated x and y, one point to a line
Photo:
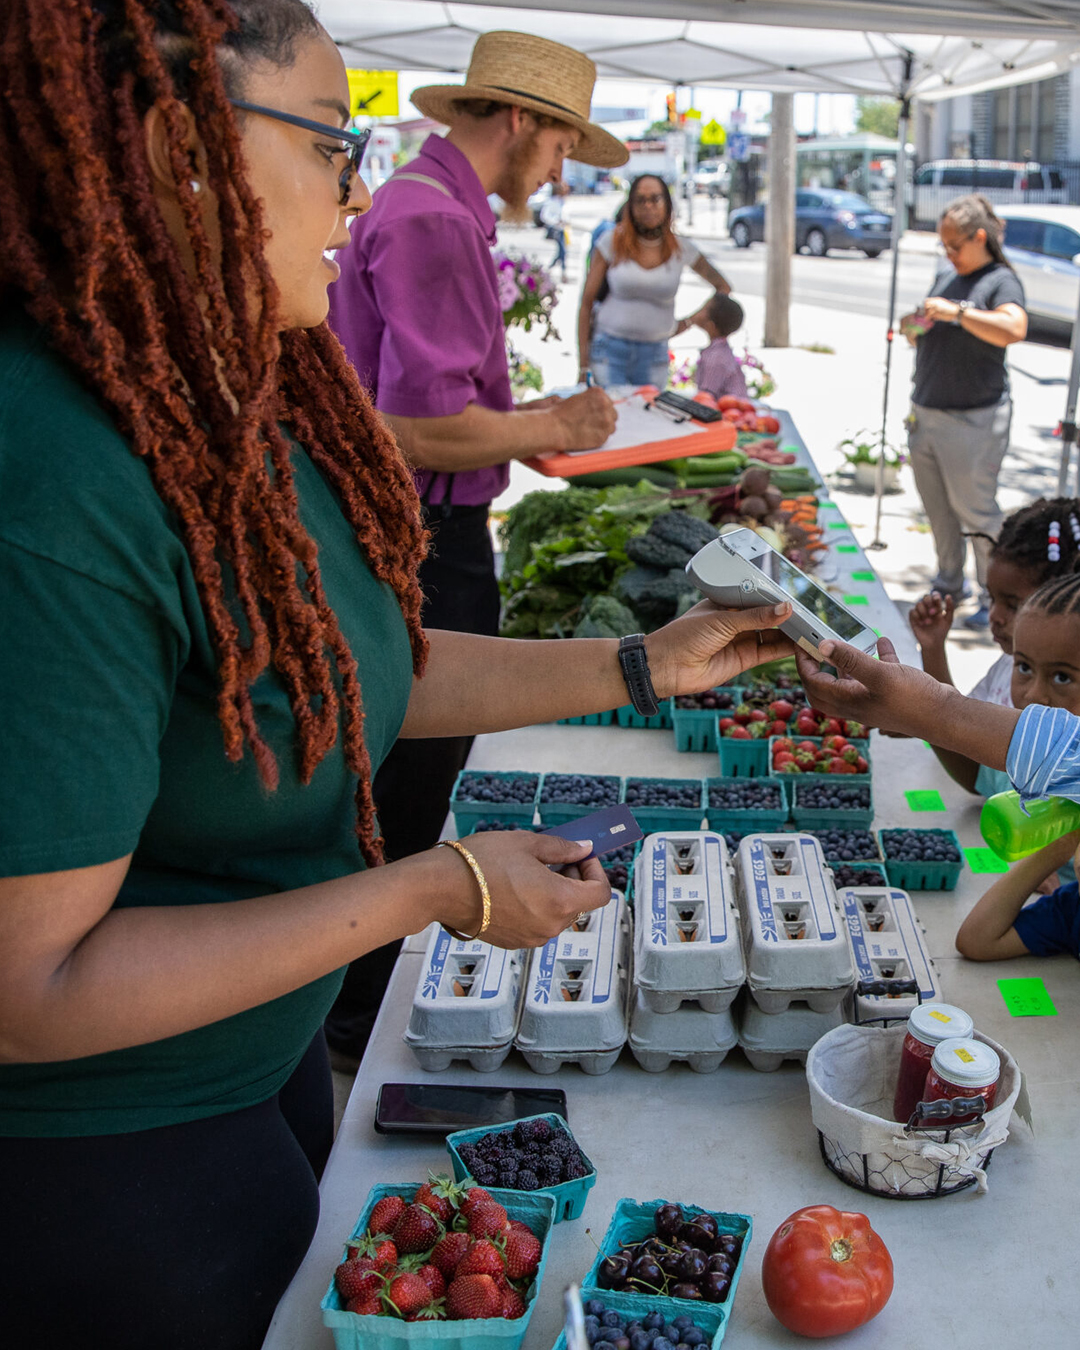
466	1004
577	994
893	969
688	954
800	968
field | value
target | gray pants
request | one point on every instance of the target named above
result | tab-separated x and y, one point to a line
956	456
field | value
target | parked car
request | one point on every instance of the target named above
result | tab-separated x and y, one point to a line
1042	243
1002	182
712	178
824	219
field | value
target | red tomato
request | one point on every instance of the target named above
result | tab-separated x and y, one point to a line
769	424
825	1272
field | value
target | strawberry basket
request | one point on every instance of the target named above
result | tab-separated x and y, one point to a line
352	1331
790	779
743	758
569	1196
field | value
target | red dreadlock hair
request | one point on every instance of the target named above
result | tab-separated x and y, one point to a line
200	394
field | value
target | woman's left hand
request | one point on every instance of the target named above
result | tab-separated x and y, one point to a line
708	646
937	307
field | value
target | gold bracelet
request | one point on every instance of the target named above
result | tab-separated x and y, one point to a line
481	881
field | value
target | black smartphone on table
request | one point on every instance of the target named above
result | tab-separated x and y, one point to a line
442	1108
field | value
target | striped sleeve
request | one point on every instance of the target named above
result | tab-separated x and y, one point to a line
1044	754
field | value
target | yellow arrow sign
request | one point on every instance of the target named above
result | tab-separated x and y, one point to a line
373	93
712	133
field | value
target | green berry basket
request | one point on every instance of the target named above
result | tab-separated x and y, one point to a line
653	819
746	821
559	813
707	1316
790	779
923	876
569	1196
742	759
696	729
466	811
601	719
633	1222
355	1332
822	818
628	716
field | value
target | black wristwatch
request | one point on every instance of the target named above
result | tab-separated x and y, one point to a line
635	668
961	305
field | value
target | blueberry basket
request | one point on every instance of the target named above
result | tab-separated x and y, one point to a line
876	868
823	818
707	1316
696	728
744	821
569	1196
871	854
601	719
355	1332
653	819
743	759
790	779
633	1221
935	875
466	810
628	716
559	813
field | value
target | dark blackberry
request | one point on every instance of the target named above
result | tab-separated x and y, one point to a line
485	1174
508	1177
467	1153
550	1173
527	1180
575	1169
560	1145
531	1153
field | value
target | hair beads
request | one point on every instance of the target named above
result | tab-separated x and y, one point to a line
1053	545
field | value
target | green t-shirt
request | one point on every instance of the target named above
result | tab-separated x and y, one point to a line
110	742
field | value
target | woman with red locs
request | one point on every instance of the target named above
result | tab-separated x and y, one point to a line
207	536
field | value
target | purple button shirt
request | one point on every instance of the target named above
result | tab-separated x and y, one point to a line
719	371
417	306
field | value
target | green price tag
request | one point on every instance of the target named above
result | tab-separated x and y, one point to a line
863	576
1026	998
856	600
837	525
847	548
984	860
925	799
828	506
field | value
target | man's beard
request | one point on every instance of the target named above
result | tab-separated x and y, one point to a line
514	185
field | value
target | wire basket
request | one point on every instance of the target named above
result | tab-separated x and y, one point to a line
851	1073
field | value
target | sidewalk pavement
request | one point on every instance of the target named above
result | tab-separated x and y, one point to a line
832	395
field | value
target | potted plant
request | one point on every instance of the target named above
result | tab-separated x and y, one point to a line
863	451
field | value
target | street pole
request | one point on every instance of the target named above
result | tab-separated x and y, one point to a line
780	221
1068	425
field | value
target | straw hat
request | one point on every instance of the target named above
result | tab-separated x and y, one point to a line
530	72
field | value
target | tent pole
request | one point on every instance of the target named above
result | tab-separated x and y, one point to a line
780	221
899	213
1068	423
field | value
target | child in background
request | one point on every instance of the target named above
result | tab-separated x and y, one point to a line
1036	544
1046	670
718	368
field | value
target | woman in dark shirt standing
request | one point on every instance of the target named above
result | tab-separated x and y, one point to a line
961	409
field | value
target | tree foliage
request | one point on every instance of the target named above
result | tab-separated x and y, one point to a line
879	116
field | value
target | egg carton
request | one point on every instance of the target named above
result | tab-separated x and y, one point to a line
768	1039
577	994
466	1004
689	1036
893	969
687	942
797	944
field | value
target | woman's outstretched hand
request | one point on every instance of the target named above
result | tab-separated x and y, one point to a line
708	646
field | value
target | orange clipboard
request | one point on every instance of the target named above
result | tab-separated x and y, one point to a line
642	436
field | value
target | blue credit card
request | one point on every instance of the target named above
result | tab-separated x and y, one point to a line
608	829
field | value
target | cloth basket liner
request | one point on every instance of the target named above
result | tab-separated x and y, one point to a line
851	1073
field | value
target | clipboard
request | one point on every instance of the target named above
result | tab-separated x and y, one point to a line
643	434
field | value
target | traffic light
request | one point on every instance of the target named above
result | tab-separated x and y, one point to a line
672	115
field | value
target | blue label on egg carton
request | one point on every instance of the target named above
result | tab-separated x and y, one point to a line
495	962
571	946
687	890
863	969
901	944
810	888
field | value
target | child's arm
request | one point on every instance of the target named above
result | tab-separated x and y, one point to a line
930	619
987	934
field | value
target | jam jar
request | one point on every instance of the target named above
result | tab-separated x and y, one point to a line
963	1068
928	1025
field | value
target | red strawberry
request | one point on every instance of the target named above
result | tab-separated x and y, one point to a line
833	743
386	1213
513	1305
861	766
473	1296
486	1219
808	745
434	1279
475	1195
777	728
851	754
806	726
841	766
759	731
357	1277
516	1226
790	767
743	714
784	743
417	1230
482	1258
367	1305
522	1254
737	733
726	722
781	759
408	1293
448	1252
804	759
441	1195
782	710
759	716
854	729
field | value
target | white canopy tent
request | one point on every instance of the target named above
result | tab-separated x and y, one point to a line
930	49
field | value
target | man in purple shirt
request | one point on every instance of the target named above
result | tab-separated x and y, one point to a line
417	309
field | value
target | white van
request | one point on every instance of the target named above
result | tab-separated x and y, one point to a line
1000	181
1043	243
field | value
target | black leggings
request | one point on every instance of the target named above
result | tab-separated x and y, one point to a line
179	1238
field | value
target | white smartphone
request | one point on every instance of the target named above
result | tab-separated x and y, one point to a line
740	570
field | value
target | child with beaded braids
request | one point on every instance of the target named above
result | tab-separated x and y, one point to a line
1036	544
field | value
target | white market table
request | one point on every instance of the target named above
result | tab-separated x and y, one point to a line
974	1272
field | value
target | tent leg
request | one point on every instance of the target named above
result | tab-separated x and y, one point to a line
780	222
1068	423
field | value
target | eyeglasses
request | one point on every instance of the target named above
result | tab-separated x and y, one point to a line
356	141
656	200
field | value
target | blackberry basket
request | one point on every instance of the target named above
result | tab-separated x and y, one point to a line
745	821
923	876
743	759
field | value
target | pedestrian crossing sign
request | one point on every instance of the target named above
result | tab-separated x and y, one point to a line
712	133
373	93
